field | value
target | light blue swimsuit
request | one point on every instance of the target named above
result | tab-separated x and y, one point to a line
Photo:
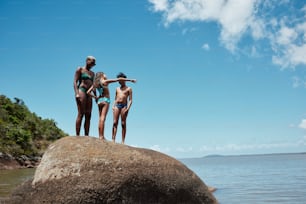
103	99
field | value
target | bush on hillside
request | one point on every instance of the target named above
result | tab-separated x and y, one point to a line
23	132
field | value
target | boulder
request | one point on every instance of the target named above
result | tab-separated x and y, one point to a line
88	170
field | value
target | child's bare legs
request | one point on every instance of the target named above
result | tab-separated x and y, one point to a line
116	113
103	109
124	113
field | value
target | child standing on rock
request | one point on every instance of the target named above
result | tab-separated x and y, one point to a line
121	107
103	98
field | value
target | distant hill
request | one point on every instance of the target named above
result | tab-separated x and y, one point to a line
213	156
23	132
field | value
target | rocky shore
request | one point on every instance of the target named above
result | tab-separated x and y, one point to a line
7	161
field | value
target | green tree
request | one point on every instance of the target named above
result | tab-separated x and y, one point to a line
23	132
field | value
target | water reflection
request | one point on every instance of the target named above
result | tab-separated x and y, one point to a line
10	179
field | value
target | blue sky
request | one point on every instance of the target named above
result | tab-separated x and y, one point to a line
214	77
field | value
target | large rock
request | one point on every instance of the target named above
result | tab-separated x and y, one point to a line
88	170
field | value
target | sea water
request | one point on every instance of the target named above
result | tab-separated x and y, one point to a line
10	179
254	179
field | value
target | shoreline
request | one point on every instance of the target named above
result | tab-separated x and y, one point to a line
8	162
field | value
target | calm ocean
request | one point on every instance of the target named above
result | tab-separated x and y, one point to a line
254	179
257	179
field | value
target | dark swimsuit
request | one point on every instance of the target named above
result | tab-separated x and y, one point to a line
121	105
85	76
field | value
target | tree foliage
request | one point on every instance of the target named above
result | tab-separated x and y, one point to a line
23	132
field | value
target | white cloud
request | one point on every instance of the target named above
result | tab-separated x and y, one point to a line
238	18
298	81
232	148
155	148
234	16
205	47
134	145
303	124
159	5
298	54
258	29
188	30
206	148
158	148
286	36
184	150
291	56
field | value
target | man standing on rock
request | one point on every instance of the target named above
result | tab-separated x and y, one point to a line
121	107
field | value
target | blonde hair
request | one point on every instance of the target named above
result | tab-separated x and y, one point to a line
97	78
